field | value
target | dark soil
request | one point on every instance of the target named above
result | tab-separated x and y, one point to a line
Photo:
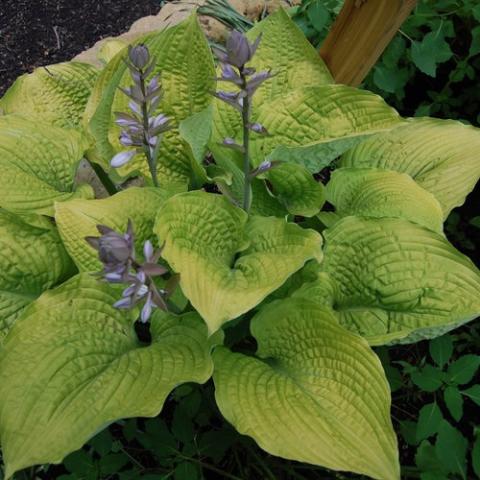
40	32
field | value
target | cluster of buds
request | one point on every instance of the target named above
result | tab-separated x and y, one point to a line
239	52
141	129
116	251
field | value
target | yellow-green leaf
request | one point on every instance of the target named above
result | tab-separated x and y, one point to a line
440	155
183	59
314	393
38	164
372	192
228	263
32	260
294	186
55	94
316	124
72	365
391	280
78	219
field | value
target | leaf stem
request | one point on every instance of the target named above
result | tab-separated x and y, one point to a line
152	166
246	144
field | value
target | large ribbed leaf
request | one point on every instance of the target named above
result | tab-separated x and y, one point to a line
183	58
314	125
38	164
440	155
393	280
286	51
228	263
78	219
72	365
380	193
55	94
32	259
316	393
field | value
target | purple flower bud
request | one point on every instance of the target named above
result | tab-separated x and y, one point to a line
257	80
134	107
153	84
231	143
122	158
114	277
232	98
258	128
123	303
148	250
139	56
125	120
126	140
239	50
147	309
114	249
229	75
159	120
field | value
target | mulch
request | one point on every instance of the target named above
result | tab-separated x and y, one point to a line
41	32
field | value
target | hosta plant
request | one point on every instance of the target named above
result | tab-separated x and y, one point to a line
230	203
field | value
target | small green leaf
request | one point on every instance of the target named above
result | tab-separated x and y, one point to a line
111	464
186	471
429	419
294	186
454	402
475	45
196	130
427	461
79	463
476	457
102	442
318	15
429	378
473	393
451	449
431	51
441	349
390	80
462	370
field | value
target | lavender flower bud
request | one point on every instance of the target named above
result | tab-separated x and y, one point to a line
139	56
114	248
122	158
257	80
258	128
231	143
239	50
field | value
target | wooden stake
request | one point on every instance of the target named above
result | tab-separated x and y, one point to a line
360	34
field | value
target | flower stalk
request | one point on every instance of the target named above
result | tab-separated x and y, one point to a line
142	129
239	52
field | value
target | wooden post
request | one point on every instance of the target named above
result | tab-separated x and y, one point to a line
360	34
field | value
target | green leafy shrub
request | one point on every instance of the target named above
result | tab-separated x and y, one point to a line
282	316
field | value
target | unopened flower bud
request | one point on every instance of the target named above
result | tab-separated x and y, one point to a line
139	56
